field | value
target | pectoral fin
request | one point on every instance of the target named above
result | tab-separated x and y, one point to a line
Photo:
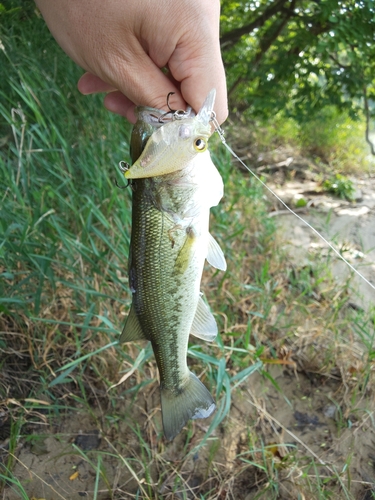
204	325
186	252
215	255
132	330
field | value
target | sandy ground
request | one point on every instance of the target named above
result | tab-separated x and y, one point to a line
302	420
349	226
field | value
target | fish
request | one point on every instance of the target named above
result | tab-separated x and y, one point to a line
174	184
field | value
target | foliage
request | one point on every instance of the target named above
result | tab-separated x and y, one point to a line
330	142
334	138
331	137
299	55
341	186
64	237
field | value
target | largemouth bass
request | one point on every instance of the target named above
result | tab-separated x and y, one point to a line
174	184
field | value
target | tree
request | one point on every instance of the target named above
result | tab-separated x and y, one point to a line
299	55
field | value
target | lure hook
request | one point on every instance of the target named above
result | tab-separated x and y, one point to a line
124	167
168	96
160	120
178	114
125	185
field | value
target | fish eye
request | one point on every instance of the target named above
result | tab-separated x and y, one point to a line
200	144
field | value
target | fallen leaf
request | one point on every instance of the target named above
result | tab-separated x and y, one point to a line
74	476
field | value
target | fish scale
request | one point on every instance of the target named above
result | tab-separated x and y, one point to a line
172	196
164	307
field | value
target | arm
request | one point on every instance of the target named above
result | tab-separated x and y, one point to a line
123	44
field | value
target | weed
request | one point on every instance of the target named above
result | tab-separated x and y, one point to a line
341	186
7	478
64	239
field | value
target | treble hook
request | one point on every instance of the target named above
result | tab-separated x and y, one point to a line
124	167
168	96
122	187
160	120
178	114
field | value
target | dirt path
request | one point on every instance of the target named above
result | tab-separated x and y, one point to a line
349	226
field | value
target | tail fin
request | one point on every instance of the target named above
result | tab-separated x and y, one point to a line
194	401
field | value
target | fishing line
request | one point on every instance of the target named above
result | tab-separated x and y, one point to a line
220	131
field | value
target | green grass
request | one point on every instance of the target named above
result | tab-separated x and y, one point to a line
14	484
64	239
341	186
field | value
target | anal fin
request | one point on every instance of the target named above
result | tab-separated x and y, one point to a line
132	330
204	325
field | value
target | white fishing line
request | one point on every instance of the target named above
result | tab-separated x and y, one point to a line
220	131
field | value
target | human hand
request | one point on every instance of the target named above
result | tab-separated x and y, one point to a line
122	44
